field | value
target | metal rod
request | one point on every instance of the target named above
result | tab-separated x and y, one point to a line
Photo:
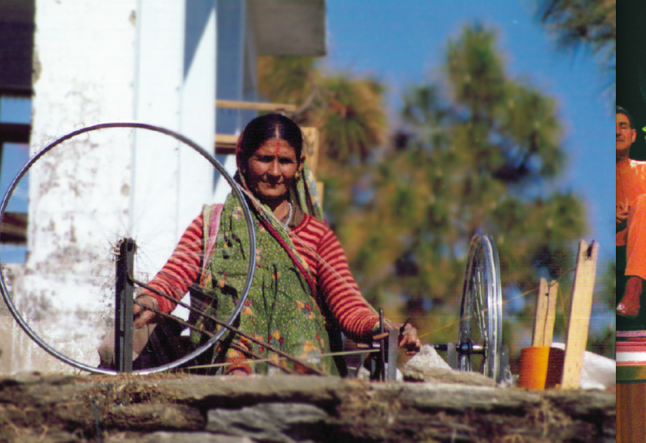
393	345
124	298
382	346
210	334
464	348
231	328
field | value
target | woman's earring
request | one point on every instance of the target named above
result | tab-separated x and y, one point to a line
297	176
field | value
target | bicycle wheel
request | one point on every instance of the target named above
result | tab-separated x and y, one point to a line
84	193
480	330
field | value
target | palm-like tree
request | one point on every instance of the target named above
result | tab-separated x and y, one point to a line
353	119
472	150
348	111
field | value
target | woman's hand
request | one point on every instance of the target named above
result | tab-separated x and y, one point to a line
144	316
408	339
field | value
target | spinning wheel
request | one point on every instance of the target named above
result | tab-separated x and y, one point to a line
479	346
75	256
81	230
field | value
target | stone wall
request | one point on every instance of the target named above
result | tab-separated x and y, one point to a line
178	408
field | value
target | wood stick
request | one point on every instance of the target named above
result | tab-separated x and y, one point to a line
210	334
580	309
545	313
258	106
232	329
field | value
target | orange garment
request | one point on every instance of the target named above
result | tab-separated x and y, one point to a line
631	193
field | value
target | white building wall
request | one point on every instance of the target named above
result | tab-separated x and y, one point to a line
120	60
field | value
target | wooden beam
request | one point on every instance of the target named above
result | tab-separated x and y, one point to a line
311	146
257	106
225	143
14	228
580	309
545	313
14	132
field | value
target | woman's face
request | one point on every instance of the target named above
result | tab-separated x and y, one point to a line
271	170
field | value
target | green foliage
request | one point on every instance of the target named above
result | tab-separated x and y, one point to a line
480	151
353	120
347	110
476	155
587	24
581	22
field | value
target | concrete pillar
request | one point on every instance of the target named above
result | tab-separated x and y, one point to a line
96	62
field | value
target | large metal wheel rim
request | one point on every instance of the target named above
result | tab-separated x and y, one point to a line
235	189
482	299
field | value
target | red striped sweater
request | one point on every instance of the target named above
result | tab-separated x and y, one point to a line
314	240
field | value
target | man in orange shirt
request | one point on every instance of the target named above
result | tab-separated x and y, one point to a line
631	214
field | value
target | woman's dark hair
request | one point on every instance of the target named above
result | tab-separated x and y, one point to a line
266	127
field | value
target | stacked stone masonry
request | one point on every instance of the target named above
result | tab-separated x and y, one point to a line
182	408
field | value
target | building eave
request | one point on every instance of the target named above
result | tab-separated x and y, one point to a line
289	27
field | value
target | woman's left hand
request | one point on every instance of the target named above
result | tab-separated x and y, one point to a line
408	339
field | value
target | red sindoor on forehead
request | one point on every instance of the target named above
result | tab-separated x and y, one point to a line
276	142
277	137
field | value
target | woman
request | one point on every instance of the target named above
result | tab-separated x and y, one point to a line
302	289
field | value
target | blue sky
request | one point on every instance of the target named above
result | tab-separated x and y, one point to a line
404	42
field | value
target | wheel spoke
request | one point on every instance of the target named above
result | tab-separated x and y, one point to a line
480	309
87	208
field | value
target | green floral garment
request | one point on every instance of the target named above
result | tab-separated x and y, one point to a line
281	308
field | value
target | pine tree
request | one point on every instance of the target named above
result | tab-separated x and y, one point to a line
478	153
584	24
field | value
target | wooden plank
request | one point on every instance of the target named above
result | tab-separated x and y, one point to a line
319	189
540	316
14	132
553	288
225	143
14	228
545	313
257	106
311	146
580	308
311	150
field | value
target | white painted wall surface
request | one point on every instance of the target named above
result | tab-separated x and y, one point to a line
86	53
120	60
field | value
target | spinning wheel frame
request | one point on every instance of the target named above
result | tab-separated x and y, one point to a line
236	191
481	310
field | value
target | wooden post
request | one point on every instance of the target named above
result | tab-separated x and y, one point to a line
311	148
225	144
545	313
123	330
257	106
580	308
